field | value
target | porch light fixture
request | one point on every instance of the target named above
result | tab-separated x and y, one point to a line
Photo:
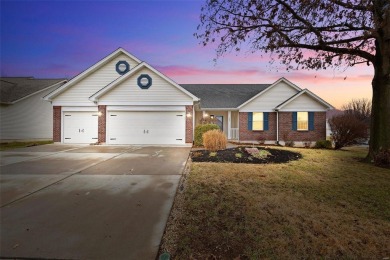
212	116
99	114
189	114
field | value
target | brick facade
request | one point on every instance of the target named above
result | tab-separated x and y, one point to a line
102	124
286	132
285	128
56	124
189	124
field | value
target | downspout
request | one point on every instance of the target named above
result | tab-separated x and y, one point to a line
277	126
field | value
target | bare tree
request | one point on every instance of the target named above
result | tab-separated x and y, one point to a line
347	129
360	108
311	34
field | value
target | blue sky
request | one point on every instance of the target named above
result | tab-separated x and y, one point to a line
49	39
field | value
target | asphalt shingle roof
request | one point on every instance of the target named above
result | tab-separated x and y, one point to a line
224	95
15	88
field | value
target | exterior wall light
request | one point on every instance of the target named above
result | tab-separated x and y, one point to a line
99	113
212	116
189	114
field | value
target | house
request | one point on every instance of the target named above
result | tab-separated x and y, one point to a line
123	100
23	113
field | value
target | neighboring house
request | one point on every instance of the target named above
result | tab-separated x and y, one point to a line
24	115
122	100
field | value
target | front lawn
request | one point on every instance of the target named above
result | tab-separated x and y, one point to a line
326	205
13	145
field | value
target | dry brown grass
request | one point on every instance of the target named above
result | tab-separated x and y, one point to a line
214	140
326	205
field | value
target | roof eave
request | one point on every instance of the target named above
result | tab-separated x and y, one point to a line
268	88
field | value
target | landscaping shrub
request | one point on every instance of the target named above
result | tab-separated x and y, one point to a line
200	130
214	140
289	143
347	130
323	144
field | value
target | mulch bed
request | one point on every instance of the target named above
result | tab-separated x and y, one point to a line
231	155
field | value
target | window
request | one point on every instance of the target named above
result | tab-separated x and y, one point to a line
258	121
302	121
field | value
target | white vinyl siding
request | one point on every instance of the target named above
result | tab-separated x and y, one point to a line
28	119
304	103
160	93
270	99
302	121
258	121
81	91
151	127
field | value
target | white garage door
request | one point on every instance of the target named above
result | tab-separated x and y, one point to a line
80	127
146	127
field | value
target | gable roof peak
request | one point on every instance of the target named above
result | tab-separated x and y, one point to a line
91	69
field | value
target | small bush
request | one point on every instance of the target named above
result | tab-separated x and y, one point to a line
289	143
382	158
200	130
214	140
347	129
323	144
238	155
261	154
213	154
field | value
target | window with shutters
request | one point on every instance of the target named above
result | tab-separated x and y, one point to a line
303	121
258	121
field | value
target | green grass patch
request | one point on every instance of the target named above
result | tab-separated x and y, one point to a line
328	205
13	145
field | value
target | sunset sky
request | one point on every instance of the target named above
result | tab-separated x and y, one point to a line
49	39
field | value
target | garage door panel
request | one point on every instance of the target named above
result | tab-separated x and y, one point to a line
80	127
146	127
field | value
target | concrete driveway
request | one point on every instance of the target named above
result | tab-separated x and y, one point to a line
87	202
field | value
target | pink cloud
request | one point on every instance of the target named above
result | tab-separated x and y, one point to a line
175	71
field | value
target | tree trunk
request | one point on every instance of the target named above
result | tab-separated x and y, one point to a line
380	118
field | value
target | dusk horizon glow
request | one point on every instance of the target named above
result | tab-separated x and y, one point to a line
60	39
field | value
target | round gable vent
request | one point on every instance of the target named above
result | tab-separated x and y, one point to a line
122	67
144	81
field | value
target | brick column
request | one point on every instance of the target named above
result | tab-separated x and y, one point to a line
189	124
56	124
102	124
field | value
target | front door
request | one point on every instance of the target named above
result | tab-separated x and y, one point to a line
219	122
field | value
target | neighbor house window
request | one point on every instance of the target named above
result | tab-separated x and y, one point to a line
302	121
258	121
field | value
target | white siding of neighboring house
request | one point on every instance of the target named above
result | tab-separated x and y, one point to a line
28	119
270	99
81	91
160	93
304	103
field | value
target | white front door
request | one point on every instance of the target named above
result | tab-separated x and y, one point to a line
152	127
80	127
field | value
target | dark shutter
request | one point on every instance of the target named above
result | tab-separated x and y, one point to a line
294	121
265	115
250	120
311	121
